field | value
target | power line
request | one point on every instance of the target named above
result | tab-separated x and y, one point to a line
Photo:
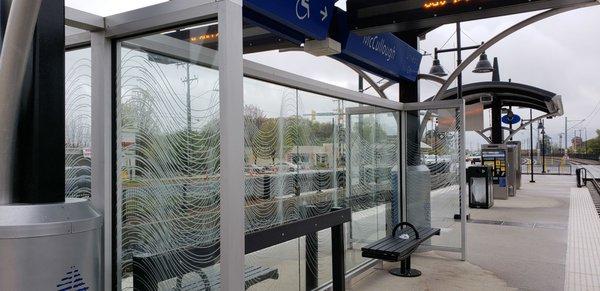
445	43
467	35
592	114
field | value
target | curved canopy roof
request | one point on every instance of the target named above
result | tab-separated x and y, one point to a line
510	94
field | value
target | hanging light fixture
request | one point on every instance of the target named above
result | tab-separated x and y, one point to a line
484	65
437	69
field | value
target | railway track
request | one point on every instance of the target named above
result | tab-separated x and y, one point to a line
579	162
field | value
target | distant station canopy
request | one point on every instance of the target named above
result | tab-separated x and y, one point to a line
510	94
376	16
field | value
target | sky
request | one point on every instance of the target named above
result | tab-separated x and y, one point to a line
560	54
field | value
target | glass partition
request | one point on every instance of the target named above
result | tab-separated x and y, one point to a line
299	148
78	121
305	154
433	179
169	159
373	166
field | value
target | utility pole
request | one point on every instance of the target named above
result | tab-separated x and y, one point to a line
566	134
188	95
459	61
586	140
566	131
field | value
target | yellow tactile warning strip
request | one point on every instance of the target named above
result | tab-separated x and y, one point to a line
582	271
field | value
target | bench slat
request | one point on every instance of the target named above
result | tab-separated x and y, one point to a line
386	243
395	248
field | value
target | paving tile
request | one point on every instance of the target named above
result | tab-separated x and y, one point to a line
582	271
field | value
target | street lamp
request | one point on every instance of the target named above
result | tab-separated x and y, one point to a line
541	126
483	65
437	69
531	143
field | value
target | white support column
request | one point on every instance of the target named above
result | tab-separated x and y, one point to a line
232	144
464	192
102	168
403	166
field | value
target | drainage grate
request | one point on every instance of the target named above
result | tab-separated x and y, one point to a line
545	225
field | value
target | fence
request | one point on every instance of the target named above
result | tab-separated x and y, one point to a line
551	166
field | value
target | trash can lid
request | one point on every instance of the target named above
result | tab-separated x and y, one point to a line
33	220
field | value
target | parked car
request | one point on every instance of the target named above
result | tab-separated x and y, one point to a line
430	159
285	166
253	169
475	160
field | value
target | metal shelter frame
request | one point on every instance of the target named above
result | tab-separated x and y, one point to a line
102	34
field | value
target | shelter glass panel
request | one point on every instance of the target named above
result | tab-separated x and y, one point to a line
297	154
433	180
373	166
78	121
297	157
168	159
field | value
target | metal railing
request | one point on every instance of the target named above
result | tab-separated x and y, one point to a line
551	167
584	176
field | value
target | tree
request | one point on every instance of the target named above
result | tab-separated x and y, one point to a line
593	144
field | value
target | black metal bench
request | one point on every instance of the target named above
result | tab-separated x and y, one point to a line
399	247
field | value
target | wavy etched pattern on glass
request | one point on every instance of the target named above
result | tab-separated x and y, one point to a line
319	156
169	170
270	125
294	169
437	181
78	123
388	166
373	167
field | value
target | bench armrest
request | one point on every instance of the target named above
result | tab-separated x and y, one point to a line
405	224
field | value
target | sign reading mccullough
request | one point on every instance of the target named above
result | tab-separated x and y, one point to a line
382	54
385	52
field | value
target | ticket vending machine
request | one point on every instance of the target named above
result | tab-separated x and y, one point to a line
496	157
517	162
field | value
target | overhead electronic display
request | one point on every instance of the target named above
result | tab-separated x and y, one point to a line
376	16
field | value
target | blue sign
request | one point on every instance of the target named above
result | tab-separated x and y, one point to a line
310	17
386	52
508	120
502	182
295	20
383	54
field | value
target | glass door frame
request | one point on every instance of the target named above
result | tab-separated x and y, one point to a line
459	105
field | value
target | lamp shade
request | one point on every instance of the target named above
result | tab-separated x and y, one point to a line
484	65
437	69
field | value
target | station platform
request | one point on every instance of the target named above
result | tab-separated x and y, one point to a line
545	238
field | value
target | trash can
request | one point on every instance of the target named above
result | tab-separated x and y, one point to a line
53	246
479	179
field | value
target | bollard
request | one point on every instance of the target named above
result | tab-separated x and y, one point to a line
578	176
